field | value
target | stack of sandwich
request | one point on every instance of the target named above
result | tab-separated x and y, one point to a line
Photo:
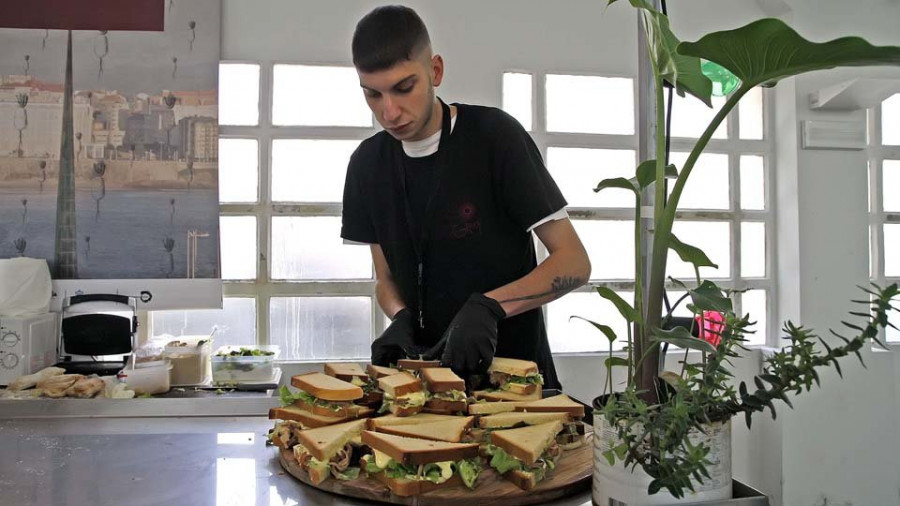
513	380
322	400
494	416
367	380
427	440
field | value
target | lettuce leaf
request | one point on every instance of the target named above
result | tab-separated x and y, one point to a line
287	397
370	466
351	473
502	461
536	379
452	395
398	470
469	470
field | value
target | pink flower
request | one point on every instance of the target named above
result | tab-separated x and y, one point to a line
712	327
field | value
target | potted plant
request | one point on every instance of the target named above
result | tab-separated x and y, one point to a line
656	438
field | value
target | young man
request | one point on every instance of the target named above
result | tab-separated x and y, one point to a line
447	198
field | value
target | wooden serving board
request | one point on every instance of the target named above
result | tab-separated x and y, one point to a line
572	475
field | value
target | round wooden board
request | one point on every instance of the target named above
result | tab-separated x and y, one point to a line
571	476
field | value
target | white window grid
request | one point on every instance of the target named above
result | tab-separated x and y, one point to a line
264	288
732	146
878	152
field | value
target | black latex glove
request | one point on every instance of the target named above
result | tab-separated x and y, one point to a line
397	341
471	338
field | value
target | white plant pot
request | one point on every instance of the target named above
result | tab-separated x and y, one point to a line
619	486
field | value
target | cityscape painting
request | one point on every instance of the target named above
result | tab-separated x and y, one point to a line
109	148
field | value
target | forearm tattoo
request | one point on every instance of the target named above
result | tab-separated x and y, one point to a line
559	287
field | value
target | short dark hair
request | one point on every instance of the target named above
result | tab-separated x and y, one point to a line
386	36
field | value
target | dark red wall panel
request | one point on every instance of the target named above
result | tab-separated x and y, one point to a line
141	15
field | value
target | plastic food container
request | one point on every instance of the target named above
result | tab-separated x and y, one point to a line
190	360
148	377
236	364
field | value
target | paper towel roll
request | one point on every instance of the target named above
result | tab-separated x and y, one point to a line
25	286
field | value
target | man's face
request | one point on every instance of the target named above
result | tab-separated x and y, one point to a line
402	97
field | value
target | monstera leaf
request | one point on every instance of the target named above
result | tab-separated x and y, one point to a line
680	70
768	50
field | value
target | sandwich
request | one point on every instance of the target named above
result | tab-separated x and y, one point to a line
446	391
322	400
496	395
349	372
404	394
409	466
526	455
483	407
376	371
557	403
571	436
355	375
414	365
451	431
331	451
383	421
514	375
284	434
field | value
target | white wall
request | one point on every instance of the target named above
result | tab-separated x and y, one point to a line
839	445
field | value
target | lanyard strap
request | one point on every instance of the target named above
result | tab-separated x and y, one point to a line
420	243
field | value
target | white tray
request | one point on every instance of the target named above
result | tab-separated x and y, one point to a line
270	384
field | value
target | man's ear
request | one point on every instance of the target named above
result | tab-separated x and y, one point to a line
437	70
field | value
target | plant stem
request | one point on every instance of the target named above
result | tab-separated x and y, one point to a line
663	233
609	369
638	285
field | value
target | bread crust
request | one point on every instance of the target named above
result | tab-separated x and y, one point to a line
404	411
402	487
433	451
400	384
410	364
309	419
522	479
326	387
442	407
377	371
507	396
441	379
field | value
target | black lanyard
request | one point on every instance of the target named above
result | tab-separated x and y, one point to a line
420	244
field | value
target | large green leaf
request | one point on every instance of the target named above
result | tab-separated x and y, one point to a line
617	182
691	254
768	50
607	331
646	173
611	362
625	309
709	297
680	70
679	336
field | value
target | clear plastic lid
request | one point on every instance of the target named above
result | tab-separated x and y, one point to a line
252	353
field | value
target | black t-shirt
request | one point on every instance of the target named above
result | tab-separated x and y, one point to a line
493	187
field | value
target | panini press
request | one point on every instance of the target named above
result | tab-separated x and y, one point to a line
92	331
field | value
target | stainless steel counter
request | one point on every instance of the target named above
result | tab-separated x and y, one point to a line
148	461
202	403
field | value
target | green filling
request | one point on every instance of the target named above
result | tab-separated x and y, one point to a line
502	461
351	473
469	470
452	395
534	379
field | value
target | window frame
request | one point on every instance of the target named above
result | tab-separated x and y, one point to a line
877	153
732	146
264	287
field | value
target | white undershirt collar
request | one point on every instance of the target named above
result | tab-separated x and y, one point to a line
428	145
